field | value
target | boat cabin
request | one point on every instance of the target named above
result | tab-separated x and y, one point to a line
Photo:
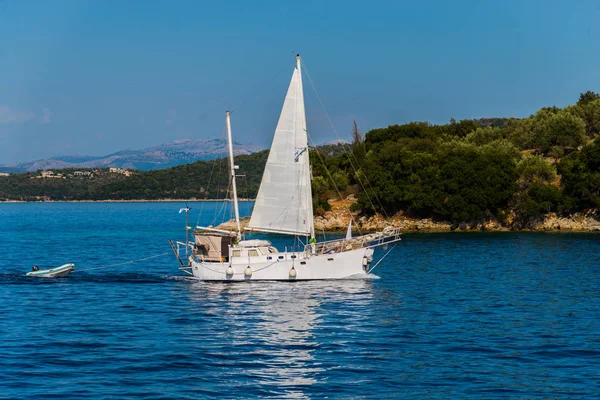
222	248
213	248
253	248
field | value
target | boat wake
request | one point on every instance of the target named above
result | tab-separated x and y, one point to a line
179	278
135	278
82	277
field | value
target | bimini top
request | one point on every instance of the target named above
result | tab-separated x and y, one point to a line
254	243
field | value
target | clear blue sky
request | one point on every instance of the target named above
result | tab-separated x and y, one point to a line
95	77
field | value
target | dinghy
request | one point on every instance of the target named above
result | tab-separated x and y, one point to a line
57	272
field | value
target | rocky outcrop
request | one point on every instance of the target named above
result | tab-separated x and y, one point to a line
338	217
230	225
335	223
575	223
337	220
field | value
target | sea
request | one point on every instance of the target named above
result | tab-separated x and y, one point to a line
445	316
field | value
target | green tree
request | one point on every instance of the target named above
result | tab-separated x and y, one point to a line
485	135
340	179
537	194
461	128
534	169
587	97
562	129
358	146
580	173
319	185
550	131
589	112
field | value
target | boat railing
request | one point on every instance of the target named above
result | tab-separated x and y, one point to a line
386	237
176	246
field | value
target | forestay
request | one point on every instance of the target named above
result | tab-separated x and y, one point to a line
284	201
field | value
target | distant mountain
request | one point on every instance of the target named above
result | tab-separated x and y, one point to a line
335	142
157	157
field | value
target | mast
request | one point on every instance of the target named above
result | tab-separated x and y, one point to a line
309	191
186	234
232	168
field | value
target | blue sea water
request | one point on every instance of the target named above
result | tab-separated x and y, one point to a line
496	315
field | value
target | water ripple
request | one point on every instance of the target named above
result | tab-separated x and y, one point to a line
449	316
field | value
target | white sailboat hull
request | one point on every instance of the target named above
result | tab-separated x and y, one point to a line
342	265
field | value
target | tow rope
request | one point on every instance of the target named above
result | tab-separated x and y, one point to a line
122	263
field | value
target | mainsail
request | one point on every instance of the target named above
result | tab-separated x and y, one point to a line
284	200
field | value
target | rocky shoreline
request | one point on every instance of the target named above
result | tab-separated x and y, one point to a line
339	223
551	223
338	218
123	201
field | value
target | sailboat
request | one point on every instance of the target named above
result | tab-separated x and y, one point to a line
283	206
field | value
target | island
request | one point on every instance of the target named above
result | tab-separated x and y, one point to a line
541	172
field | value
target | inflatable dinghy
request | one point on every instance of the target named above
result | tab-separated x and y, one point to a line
57	272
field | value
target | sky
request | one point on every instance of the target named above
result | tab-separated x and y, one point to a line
95	77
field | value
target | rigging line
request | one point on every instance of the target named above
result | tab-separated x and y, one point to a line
286	209
246	183
346	152
382	258
344	148
334	184
229	204
226	203
123	263
206	189
218	185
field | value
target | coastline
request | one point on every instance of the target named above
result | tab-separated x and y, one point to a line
125	201
338	224
550	223
336	220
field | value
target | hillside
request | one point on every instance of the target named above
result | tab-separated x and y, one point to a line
162	156
495	172
514	172
200	179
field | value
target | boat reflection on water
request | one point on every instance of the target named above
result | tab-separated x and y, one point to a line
268	332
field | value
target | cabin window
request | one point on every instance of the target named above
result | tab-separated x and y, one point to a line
269	258
302	262
235	253
281	257
253	253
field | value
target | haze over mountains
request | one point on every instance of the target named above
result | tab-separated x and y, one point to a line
165	155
